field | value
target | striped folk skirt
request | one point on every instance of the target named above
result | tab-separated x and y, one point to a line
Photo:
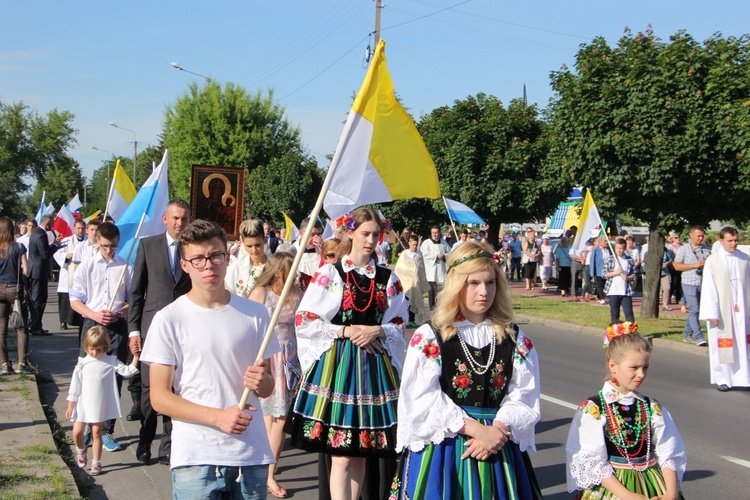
649	483
346	404
438	472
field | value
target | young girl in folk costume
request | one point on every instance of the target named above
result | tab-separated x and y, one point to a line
284	365
350	332
622	444
93	397
470	392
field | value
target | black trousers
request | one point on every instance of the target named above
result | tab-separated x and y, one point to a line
37	303
150	420
118	346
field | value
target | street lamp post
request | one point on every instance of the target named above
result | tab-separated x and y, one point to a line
84	190
135	145
177	65
108	163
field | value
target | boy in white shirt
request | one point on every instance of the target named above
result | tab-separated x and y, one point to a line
95	295
201	351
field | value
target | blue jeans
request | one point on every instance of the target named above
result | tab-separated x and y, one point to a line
692	294
211	481
627	307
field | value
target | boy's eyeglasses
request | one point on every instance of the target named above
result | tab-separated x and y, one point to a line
330	256
199	262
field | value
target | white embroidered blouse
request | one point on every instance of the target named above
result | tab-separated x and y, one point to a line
322	301
427	415
586	449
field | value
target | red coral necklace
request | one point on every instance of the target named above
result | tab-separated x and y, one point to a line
371	291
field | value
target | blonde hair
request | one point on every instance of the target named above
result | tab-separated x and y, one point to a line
96	338
500	312
331	245
278	262
251	228
620	346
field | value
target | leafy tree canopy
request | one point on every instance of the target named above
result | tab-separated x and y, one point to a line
654	127
214	125
491	158
30	146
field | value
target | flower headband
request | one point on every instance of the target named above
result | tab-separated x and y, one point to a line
479	255
618	330
346	221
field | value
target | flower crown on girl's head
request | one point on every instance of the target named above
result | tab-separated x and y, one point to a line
346	221
617	330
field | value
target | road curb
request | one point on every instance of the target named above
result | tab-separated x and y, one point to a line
594	331
43	432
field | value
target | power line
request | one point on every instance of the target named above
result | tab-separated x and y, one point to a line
326	68
510	23
426	15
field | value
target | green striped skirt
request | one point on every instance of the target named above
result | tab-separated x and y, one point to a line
649	482
438	472
346	404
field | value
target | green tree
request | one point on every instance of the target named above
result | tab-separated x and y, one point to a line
490	158
289	182
657	130
229	126
61	183
30	145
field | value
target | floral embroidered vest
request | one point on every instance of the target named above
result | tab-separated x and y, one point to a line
467	388
354	302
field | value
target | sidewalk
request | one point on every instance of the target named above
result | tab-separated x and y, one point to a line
519	288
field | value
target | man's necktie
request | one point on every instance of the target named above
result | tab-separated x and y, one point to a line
176	260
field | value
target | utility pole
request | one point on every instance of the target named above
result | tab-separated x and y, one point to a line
378	8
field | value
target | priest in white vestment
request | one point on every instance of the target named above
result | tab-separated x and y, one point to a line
725	306
411	271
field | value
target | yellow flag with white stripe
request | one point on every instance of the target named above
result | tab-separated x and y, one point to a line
121	193
381	155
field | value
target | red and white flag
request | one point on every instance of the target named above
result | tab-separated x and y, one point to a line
64	222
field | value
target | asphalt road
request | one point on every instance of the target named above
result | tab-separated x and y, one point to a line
713	424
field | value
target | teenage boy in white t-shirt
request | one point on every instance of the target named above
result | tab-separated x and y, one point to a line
201	351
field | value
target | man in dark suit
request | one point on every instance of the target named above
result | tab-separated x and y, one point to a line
158	280
40	255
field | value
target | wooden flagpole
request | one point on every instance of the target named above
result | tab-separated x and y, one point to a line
449	218
127	262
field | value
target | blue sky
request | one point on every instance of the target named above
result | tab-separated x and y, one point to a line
109	61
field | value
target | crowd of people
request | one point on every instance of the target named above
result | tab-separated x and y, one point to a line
447	413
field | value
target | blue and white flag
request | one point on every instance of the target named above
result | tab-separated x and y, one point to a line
152	200
460	213
75	204
42	208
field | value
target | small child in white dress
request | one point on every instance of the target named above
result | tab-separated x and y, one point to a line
93	396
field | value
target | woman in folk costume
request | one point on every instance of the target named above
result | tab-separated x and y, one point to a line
350	333
244	272
470	392
410	269
725	306
621	444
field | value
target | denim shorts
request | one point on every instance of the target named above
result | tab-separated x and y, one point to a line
212	481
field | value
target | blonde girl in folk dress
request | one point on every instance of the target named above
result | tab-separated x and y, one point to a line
469	392
93	397
621	443
244	271
284	365
350	332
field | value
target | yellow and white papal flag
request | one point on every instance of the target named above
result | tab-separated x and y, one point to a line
121	193
380	156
